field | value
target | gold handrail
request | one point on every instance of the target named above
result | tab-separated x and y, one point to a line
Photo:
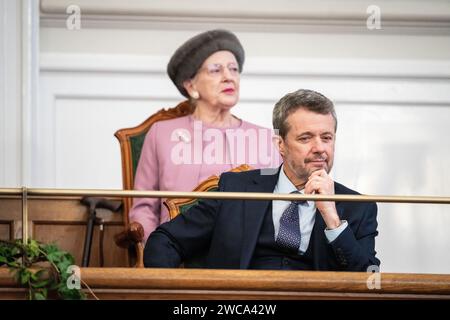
51	193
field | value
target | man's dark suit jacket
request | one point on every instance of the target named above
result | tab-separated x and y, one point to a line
228	230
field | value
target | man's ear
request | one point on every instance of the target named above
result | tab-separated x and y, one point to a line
279	143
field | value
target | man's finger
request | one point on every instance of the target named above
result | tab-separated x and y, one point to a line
312	186
317	179
319	173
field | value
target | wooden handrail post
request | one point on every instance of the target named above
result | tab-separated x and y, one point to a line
24	215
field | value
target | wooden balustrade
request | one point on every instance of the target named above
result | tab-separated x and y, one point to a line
62	220
191	284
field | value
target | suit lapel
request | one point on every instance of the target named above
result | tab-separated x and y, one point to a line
254	211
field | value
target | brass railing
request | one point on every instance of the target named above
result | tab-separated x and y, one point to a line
26	193
51	193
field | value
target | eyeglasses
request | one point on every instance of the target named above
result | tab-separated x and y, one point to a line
216	70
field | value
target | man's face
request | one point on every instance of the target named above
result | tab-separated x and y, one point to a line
309	144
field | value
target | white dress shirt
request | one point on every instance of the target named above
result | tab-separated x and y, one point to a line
306	211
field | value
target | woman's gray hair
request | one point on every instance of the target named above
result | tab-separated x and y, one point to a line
306	99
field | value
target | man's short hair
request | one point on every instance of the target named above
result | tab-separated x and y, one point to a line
306	99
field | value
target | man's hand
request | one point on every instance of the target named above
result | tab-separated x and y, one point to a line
319	182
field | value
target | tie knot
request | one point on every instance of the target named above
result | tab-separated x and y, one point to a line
298	202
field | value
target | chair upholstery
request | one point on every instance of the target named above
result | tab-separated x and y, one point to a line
131	141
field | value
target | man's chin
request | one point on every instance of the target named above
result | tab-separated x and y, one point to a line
319	167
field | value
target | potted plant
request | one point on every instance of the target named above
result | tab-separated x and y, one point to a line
42	268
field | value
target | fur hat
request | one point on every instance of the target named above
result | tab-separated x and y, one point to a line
188	58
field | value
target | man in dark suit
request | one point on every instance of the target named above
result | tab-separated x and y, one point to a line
256	234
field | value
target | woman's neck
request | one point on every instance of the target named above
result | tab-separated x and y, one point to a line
214	116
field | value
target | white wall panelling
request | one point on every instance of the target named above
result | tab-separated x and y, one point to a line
79	113
30	79
19	50
10	94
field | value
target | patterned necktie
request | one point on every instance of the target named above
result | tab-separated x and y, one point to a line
289	236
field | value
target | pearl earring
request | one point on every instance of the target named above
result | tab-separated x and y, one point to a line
195	95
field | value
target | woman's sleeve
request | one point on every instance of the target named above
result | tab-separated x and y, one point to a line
147	211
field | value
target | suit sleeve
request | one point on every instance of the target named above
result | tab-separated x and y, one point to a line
183	237
355	247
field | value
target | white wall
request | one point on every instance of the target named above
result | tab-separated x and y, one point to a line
10	95
391	88
19	32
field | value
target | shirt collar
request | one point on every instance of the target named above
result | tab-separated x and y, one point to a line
284	185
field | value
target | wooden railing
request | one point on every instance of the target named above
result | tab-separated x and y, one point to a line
188	284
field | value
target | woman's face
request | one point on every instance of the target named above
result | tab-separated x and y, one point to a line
217	81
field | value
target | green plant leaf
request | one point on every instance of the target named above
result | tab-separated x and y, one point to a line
20	258
39	296
33	248
38	274
13	264
25	276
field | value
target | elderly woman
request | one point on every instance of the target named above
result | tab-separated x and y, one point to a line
180	153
